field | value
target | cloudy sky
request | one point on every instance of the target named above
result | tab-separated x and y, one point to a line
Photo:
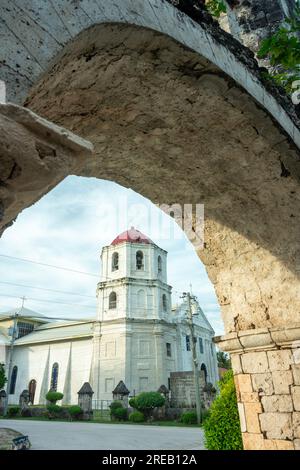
67	228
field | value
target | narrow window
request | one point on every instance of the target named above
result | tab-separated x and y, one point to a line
54	377
159	265
112	302
164	302
139	260
188	343
169	351
204	370
31	390
13	380
115	262
201	345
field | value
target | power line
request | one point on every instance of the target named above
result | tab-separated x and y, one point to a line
49	265
49	301
45	289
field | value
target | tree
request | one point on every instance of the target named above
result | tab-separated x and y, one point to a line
283	51
3	378
223	360
147	401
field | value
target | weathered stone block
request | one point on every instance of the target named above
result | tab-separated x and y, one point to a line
247	397
280	360
296	397
242	417
277	425
242	384
296	373
278	444
252	411
236	364
297	444
253	441
282	379
296	424
255	362
275	403
263	384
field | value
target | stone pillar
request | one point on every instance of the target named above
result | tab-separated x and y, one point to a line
24	400
85	396
266	366
2	401
249	22
120	393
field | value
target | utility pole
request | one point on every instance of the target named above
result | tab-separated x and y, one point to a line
188	297
14	334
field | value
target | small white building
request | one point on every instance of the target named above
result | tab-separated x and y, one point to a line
136	337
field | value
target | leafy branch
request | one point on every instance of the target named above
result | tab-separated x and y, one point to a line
215	7
283	51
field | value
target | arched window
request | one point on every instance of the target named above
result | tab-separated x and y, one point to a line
31	390
159	265
139	260
164	302
112	301
141	298
203	368
13	380
115	262
54	377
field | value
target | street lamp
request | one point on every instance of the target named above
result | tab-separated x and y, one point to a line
188	297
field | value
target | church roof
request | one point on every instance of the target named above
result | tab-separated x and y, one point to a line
23	312
132	235
51	332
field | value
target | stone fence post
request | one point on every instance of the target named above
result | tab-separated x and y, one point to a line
2	401
121	393
85	396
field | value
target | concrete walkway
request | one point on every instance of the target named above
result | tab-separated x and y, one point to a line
46	435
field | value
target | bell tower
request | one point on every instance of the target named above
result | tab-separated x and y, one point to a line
134	279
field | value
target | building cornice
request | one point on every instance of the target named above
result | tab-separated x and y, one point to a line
260	339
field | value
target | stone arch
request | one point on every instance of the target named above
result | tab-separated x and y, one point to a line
176	109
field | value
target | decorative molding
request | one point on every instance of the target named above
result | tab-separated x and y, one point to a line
260	339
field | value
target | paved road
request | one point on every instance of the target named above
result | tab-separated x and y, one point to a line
46	435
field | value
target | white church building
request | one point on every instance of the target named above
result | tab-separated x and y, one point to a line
136	337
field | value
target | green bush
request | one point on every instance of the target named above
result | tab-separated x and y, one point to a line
114	406
137	417
54	411
120	414
53	397
189	417
26	413
75	412
147	401
13	411
3	378
222	427
132	403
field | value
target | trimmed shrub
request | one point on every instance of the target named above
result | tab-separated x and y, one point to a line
75	412
54	411
132	403
26	413
121	414
137	417
13	411
53	397
189	417
147	401
222	427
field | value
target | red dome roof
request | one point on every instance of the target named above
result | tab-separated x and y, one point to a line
133	236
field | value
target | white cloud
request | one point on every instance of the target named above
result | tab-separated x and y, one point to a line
69	226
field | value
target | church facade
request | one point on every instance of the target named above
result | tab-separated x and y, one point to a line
136	337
